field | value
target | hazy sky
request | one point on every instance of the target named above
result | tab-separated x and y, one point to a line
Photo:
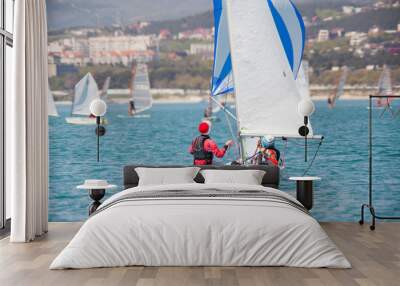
68	13
64	13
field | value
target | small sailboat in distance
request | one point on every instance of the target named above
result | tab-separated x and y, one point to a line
384	88
213	107
51	106
340	88
86	91
104	90
141	98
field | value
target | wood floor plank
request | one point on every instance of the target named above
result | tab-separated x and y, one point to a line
375	257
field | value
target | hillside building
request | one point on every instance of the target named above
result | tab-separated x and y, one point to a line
323	35
204	50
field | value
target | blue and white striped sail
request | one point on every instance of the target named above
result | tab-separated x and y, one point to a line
222	79
266	43
291	29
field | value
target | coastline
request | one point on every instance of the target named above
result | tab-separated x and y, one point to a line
200	99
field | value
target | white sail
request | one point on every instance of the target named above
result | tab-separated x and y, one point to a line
86	91
141	95
265	66
104	90
385	83
303	82
51	106
342	82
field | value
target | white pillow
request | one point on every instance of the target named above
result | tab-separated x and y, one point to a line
248	177
166	176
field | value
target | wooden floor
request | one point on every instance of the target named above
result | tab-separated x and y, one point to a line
375	257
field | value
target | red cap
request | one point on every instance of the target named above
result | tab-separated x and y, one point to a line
204	127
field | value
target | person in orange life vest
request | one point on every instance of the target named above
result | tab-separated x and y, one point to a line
266	152
203	148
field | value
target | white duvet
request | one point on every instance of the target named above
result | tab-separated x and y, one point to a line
202	231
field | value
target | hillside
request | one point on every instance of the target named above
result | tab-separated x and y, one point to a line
64	14
386	19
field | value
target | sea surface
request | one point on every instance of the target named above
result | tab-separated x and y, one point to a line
165	133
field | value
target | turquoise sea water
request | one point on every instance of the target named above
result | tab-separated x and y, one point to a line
164	137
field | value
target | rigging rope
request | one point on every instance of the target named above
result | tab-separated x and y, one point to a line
313	159
233	136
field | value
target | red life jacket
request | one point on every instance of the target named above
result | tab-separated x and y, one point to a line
199	152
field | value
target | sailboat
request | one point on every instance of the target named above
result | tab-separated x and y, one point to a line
51	106
384	88
267	97
86	91
213	107
340	88
141	98
104	91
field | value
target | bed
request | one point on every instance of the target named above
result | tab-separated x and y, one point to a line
201	224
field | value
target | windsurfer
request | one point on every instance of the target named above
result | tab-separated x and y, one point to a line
266	152
208	112
131	109
203	148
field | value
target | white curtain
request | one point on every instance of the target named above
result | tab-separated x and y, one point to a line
26	124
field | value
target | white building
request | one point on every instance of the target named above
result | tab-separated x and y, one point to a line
323	35
356	38
206	50
119	44
348	10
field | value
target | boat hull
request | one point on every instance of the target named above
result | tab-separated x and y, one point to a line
84	121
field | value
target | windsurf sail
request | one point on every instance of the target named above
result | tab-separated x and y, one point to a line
140	89
51	106
340	87
385	87
385	82
104	90
86	91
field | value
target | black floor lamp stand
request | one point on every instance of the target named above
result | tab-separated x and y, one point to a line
370	201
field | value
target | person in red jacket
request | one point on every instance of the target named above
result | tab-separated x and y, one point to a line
203	148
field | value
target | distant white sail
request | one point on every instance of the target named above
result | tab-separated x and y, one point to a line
104	90
340	87
266	43
86	91
385	82
141	95
51	106
222	78
302	81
